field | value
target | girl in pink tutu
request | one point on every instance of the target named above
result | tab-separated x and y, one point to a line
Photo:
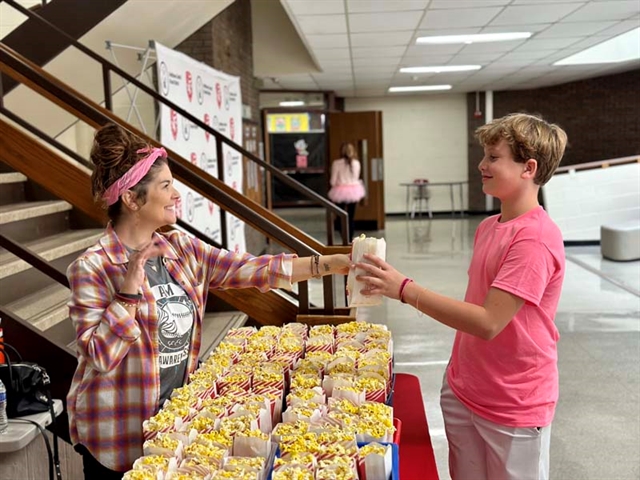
346	187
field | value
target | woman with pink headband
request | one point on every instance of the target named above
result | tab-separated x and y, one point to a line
138	298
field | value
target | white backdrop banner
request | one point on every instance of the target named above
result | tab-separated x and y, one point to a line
215	98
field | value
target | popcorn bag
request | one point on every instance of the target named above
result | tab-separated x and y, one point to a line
375	462
251	443
166	444
360	246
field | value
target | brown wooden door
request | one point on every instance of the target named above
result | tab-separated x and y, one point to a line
364	131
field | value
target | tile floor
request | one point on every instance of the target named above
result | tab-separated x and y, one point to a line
596	432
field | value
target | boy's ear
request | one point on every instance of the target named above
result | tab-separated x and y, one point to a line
530	168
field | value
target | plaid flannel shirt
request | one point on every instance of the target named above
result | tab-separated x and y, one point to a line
117	382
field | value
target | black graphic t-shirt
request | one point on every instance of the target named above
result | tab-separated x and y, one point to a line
175	325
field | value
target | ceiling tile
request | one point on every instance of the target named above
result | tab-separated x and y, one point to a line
313	7
428	32
548	43
476	58
620	28
574	29
612	10
362	76
371	92
328	41
526	55
332	54
396	52
325	76
335	62
382	61
346	92
367	6
491	47
513	62
383	22
388	39
440	4
524	27
420	60
426	50
459	17
322	24
519	15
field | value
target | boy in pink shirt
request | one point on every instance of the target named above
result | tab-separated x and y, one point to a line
501	386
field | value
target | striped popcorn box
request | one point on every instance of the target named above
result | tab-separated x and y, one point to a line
352	393
237	379
260	413
304	395
162	422
202	423
275	397
158	464
303	460
329	382
306	413
252	443
244	332
166	444
375	462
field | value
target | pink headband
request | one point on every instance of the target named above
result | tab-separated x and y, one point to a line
133	175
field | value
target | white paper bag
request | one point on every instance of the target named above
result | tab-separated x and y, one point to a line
360	246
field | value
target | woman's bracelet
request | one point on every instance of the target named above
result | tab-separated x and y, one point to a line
130	296
404	283
126	301
314	263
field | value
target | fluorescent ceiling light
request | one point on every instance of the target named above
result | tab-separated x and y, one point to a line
292	103
440	69
617	49
475	38
419	88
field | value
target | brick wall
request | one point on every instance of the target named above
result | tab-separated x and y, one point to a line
600	115
225	43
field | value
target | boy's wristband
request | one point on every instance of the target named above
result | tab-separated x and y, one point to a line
404	283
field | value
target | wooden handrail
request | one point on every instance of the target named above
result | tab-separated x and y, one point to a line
108	67
72	185
601	164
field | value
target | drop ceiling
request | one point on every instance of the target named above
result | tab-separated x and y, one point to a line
360	45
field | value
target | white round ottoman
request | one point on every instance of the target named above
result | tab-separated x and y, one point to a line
621	241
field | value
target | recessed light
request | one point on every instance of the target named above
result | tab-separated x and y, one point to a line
292	103
476	38
622	48
441	69
419	88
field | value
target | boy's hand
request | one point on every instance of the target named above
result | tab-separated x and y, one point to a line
380	277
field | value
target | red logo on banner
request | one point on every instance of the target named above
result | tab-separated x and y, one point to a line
207	122
235	185
211	207
232	128
194	158
189	79
174	124
218	95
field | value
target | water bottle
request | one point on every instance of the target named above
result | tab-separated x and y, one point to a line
4	421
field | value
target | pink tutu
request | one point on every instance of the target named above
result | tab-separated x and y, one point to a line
350	193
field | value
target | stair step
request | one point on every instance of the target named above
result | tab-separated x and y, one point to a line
12	177
215	326
45	308
50	248
15	212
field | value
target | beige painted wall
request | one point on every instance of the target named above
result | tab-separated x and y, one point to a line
424	137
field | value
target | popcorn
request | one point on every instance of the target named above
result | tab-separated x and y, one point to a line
207	451
163	444
291	472
140	475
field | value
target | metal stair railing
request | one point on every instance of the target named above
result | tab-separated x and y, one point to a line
108	68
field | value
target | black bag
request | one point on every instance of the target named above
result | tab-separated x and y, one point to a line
26	384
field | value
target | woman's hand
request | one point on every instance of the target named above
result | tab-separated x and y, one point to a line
340	264
380	277
134	277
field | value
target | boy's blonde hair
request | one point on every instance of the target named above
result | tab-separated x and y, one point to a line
528	137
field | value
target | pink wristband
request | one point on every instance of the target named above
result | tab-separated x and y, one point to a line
404	283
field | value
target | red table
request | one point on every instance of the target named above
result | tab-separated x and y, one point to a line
417	461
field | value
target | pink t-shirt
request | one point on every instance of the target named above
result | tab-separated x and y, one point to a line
512	380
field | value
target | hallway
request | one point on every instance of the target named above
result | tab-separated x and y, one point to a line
596	432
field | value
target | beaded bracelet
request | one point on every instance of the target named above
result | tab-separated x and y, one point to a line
404	283
126	301
126	304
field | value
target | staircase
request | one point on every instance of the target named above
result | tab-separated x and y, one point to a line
57	232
